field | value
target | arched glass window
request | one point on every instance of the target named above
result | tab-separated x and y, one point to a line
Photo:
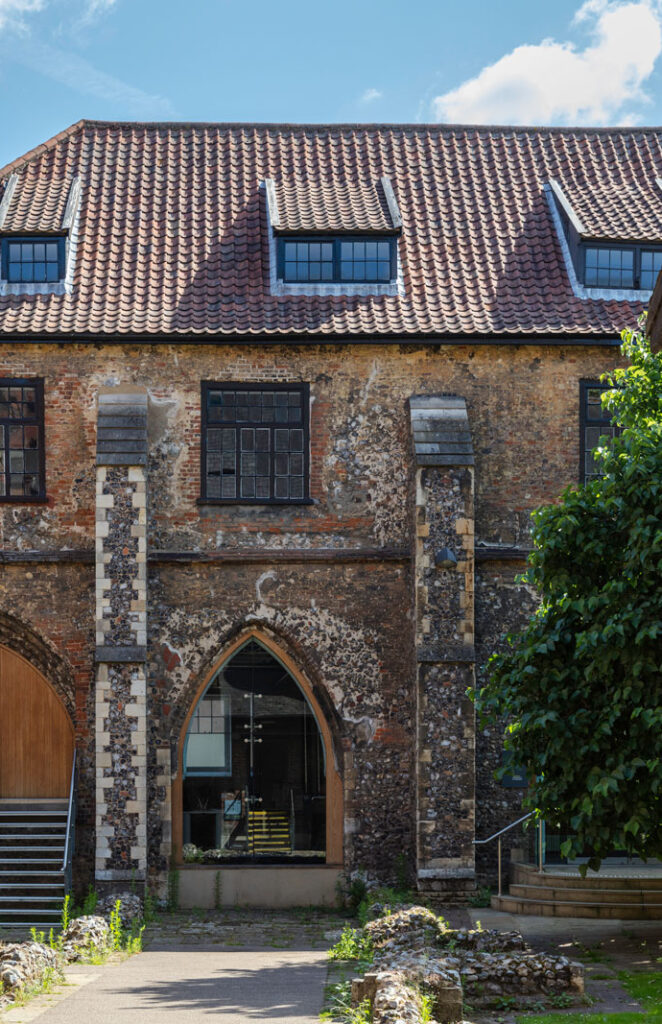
254	768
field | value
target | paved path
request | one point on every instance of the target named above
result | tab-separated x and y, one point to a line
192	985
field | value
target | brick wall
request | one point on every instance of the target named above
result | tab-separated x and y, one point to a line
350	626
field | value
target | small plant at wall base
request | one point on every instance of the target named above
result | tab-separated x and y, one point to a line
338	1005
581	685
172	898
481	898
352	945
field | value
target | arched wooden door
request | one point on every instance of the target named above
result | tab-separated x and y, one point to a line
36	734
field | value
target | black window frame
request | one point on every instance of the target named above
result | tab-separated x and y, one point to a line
336	241
7	240
636	249
304	388
584	421
38	420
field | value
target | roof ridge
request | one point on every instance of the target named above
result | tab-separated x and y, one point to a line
43	147
423	126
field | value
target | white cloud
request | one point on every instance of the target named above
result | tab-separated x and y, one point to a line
555	83
370	95
11	10
95	9
74	71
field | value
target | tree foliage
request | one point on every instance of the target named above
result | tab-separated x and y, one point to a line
582	685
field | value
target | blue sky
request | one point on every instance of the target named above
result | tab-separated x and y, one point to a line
474	61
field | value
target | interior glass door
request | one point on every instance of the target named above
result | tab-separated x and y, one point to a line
254	771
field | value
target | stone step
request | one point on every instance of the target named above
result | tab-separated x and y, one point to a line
553	908
645	897
528	874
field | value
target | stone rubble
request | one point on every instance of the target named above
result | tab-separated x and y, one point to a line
414	950
85	935
22	965
131	906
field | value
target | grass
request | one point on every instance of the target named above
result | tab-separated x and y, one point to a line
593	1018
338	1005
645	987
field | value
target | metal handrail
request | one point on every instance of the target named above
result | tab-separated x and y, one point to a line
68	844
481	842
501	832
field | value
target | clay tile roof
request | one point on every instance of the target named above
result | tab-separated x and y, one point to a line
37	204
173	228
333	206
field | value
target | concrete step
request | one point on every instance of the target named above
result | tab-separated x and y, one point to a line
555	908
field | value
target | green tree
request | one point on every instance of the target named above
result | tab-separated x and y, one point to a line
582	685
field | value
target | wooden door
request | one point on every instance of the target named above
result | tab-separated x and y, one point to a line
36	734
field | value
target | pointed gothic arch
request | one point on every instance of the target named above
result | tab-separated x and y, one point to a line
333	780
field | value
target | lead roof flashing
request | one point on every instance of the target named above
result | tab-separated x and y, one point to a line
73	202
272	203
391	201
7	197
566	206
440	430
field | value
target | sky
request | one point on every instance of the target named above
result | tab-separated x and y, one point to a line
455	61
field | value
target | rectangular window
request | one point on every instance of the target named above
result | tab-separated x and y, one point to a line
651	264
595	422
364	260
22	475
621	267
609	268
255	443
32	260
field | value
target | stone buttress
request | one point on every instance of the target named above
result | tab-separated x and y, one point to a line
444	602
121	626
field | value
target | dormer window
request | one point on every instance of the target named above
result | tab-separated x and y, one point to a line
599	266
335	237
38	236
339	259
37	260
630	266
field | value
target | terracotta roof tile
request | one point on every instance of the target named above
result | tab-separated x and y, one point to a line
173	225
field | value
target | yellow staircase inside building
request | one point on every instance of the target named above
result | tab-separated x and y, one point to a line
269	832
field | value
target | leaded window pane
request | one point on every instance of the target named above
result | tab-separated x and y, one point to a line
244	461
595	424
21	434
